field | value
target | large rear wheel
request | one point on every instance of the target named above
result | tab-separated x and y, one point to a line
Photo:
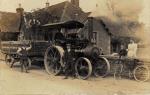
83	68
53	59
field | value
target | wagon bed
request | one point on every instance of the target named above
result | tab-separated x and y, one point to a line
38	47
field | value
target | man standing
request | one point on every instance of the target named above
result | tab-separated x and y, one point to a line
68	59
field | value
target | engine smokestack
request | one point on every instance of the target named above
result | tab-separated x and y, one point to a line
20	10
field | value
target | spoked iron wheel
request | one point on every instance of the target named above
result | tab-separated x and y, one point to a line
52	60
101	67
141	73
8	59
83	68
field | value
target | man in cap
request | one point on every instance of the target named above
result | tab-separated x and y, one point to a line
23	54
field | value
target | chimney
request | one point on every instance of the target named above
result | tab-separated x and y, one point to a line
20	10
75	2
47	4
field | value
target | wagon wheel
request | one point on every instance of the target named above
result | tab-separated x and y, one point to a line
141	73
8	59
83	68
101	67
52	60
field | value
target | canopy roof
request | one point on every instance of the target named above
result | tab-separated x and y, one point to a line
67	25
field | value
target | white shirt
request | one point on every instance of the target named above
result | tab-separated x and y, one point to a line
132	50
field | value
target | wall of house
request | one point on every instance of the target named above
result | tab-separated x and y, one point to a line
103	37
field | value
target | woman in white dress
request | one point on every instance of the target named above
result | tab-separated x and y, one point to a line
132	49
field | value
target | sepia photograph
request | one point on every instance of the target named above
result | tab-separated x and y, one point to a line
74	47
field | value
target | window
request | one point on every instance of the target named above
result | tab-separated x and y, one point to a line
94	37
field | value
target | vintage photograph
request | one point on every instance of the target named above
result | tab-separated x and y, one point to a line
74	47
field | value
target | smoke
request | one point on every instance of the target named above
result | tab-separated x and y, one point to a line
145	19
128	15
124	9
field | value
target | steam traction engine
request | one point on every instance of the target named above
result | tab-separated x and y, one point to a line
69	49
58	46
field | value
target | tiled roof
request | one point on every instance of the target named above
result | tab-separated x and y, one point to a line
9	22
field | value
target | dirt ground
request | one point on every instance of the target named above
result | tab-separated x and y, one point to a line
13	82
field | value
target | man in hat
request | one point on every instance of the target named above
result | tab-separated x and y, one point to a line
68	58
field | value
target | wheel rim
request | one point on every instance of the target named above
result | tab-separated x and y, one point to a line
101	67
141	73
52	61
8	59
83	68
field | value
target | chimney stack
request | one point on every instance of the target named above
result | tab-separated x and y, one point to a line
75	2
20	10
47	4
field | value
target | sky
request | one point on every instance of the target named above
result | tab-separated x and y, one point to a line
28	5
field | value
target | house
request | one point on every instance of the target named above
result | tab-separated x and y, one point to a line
122	32
96	31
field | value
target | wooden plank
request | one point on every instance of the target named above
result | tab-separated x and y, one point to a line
38	47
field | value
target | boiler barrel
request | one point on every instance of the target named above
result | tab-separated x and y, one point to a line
90	51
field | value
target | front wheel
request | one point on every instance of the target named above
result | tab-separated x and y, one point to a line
83	68
101	67
141	73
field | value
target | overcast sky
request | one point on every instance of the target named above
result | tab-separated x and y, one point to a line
28	5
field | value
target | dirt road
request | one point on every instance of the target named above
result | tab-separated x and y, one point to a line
12	81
